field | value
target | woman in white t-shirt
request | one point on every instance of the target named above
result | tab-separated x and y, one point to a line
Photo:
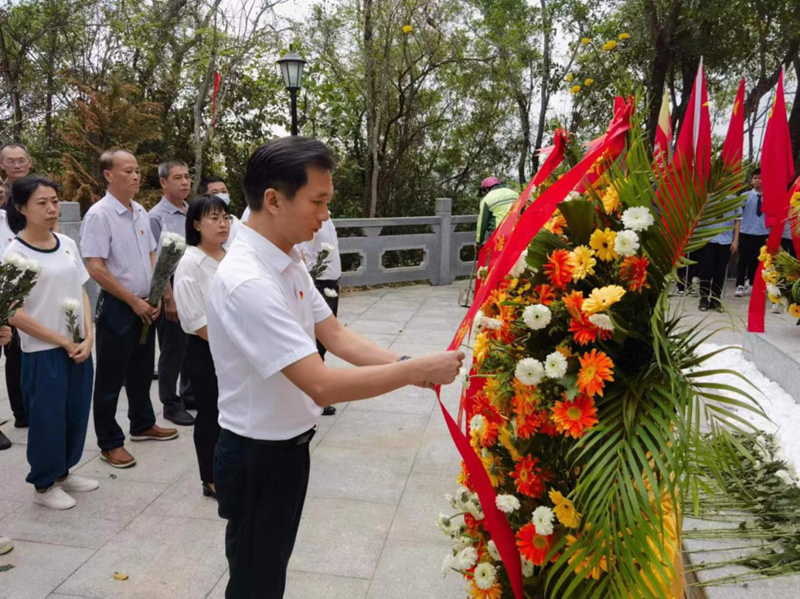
208	225
57	371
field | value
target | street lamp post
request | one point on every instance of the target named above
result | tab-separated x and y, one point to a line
292	70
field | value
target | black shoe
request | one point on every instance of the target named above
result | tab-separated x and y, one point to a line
329	411
21	422
5	443
190	404
208	491
703	307
179	416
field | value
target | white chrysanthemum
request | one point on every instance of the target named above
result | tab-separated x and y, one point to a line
15	260
507	503
626	243
785	477
491	324
463	498
180	244
466	558
773	290
70	305
447	564
529	371
477	423
326	247
555	365
527	568
445	524
602	321
572	195
784	301
520	265
637	219
330	292
491	547
461	542
485	575
167	239
537	316
543	520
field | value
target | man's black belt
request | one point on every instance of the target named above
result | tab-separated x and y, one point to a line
300	439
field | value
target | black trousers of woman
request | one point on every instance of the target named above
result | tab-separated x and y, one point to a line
206	392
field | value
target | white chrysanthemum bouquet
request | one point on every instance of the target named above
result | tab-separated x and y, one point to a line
71	307
172	248
18	276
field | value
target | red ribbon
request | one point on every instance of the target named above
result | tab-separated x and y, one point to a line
531	222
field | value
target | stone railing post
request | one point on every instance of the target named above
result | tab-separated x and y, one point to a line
444	212
69	224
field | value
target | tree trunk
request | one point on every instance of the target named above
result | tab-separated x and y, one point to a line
661	34
371	182
545	96
50	86
525	123
794	117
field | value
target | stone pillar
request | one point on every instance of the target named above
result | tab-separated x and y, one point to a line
444	212
69	224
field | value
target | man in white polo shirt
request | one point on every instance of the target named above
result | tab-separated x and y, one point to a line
264	315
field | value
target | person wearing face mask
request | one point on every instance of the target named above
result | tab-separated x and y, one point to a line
170	215
213	185
208	225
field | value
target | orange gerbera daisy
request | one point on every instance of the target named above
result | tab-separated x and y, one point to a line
524	399
634	270
545	293
528	477
493	592
533	546
559	268
574	418
528	425
556	224
547	427
585	331
596	369
573	303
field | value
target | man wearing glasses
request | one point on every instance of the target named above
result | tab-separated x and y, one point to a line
16	162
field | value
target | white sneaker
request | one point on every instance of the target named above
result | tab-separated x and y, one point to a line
747	289
54	498
6	545
81	484
739	291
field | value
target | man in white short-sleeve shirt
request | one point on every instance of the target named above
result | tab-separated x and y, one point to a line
264	315
120	251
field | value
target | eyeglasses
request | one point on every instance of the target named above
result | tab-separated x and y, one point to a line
15	161
216	218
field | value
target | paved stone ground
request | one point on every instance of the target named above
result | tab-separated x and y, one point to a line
380	470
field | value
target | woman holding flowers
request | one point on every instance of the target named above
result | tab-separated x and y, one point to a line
56	335
208	225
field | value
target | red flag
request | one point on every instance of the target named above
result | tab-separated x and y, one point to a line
694	141
662	149
529	225
217	80
777	174
733	147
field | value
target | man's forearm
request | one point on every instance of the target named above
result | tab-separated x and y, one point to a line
358	351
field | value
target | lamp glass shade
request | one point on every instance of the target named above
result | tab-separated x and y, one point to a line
292	70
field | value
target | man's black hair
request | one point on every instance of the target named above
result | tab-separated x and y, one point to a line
206	181
282	164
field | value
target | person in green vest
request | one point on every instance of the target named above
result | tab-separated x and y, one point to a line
495	204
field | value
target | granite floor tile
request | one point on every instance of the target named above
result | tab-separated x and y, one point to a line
358	429
38	569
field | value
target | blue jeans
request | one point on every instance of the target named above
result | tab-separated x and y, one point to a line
58	395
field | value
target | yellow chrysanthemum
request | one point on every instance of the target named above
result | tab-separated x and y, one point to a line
565	510
569	77
602	299
480	348
795	201
407	29
602	242
586	41
574	89
609	45
492	388
764	254
773	299
770	276
610	199
582	261
494	468
623	36
589	82
506	439
794	310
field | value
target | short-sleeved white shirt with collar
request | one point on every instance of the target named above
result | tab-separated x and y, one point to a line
6	234
191	284
261	310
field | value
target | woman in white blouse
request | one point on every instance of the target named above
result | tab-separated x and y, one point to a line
57	366
208	225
